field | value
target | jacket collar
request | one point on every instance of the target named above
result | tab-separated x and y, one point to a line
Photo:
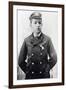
36	40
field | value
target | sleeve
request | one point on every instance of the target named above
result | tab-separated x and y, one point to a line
22	57
52	54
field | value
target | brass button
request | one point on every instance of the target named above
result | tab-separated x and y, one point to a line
32	54
32	72
40	62
40	72
32	63
40	53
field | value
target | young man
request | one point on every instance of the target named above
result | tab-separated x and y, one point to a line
36	49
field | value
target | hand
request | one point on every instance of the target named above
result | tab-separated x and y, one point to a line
47	69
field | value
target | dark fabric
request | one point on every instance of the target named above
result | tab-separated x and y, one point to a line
33	58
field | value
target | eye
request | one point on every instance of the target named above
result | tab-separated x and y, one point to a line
35	22
39	22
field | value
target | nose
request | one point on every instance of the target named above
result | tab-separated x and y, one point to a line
37	24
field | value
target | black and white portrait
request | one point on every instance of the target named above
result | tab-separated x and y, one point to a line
37	56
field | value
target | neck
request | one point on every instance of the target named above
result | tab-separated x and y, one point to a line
37	35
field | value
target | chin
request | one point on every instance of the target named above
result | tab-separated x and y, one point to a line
38	32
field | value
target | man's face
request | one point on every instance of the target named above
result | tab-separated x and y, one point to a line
36	25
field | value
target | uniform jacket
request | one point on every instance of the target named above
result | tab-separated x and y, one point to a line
37	56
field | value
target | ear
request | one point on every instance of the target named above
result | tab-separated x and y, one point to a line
41	24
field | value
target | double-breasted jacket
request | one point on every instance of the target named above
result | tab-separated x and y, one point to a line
37	56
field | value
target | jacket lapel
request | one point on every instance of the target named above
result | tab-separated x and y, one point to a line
35	40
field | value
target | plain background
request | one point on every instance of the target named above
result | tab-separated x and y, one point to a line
4	44
49	28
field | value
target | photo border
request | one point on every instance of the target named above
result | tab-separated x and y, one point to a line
11	3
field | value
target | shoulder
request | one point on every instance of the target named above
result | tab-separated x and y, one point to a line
46	37
28	39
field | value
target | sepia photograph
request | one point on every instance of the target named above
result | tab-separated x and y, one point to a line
36	44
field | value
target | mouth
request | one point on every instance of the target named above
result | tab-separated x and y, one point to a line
38	29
